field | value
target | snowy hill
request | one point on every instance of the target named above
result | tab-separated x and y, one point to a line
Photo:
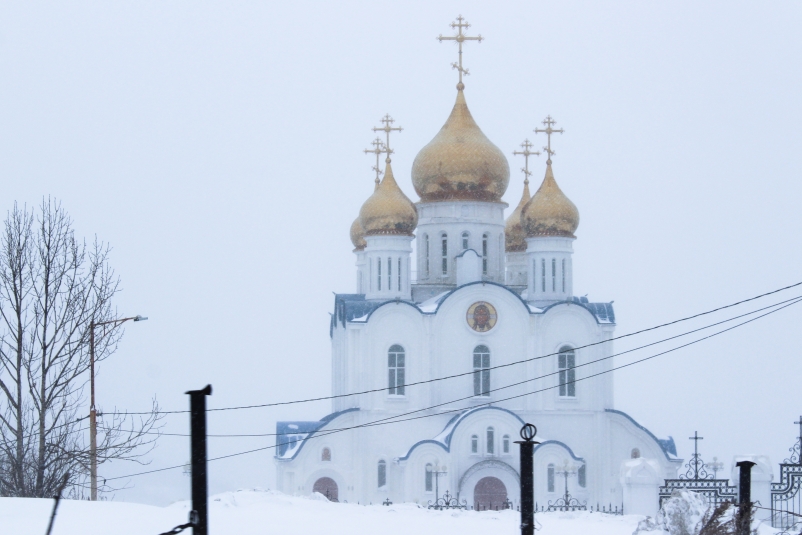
259	512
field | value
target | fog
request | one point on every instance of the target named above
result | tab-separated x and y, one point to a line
217	147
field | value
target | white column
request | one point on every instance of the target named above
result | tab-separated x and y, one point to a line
550	268
383	254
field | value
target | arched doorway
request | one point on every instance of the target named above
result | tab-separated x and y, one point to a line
327	487
489	494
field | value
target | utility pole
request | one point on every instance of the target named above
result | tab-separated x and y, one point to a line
200	487
528	432
743	518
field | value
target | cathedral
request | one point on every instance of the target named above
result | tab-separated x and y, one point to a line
437	362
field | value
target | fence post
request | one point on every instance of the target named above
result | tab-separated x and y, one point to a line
528	432
744	516
200	487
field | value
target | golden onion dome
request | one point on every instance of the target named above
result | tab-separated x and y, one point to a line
358	235
388	211
460	163
514	233
550	212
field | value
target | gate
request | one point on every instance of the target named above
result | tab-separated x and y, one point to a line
786	498
697	479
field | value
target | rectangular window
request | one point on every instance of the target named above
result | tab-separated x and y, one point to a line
445	255
484	254
543	274
491	441
426	245
389	273
481	371
474	444
395	369
553	274
566	364
429	479
550	478
563	275
506	444
379	272
399	274
582	477
382	474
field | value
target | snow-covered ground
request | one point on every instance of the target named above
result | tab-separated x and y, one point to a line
266	512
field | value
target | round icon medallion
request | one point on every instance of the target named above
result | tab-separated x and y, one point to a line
481	316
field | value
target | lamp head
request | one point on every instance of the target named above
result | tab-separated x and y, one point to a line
140	318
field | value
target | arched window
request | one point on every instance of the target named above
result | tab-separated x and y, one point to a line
464	240
553	274
542	274
505	444
426	255
500	252
481	371
635	453
389	273
484	254
396	366
491	441
325	454
379	273
429	478
382	473
474	444
550	478
370	273
444	243
563	275
566	362
399	274
581	477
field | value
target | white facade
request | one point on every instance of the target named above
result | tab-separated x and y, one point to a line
387	343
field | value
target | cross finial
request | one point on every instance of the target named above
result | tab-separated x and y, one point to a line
526	153
696	438
460	38
799	423
387	120
549	122
378	148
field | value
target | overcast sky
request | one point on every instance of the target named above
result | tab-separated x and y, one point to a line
217	146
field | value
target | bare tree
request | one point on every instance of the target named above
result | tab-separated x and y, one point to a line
52	288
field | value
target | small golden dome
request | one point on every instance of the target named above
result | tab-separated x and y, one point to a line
388	211
550	212
460	163
514	233
358	235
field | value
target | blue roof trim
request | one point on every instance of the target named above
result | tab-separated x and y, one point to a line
563	444
460	417
639	426
313	427
466	250
599	311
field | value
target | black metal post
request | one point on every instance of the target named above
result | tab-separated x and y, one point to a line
528	432
200	487
744	517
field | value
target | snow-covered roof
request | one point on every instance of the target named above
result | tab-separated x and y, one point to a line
291	436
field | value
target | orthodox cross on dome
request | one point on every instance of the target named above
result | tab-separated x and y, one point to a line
387	120
549	122
378	148
526	153
460	38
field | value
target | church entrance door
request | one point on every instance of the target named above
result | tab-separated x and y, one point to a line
489	494
327	487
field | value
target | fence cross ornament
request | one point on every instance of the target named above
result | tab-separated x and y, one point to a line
696	438
549	122
526	153
460	38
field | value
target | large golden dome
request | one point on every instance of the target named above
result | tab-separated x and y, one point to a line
550	212
460	163
514	233
388	211
358	235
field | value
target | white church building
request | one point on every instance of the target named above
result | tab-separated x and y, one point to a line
487	335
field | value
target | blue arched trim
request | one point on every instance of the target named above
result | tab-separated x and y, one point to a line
575	303
490	283
472	250
563	444
456	420
323	422
639	426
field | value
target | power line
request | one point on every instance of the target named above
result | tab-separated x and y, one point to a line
791	301
523	361
393	419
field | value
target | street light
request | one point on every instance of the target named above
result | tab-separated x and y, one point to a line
92	409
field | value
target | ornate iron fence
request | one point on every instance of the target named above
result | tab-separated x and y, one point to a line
786	498
448	501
